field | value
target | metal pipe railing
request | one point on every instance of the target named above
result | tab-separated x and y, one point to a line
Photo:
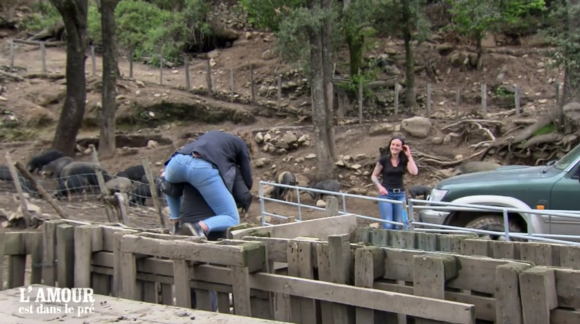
410	205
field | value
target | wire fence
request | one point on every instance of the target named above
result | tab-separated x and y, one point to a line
80	197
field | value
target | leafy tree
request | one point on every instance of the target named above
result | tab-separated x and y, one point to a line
406	18
74	16
564	33
474	18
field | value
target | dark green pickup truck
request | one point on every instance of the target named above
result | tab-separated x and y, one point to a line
554	186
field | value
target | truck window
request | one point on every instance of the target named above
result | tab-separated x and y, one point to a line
567	159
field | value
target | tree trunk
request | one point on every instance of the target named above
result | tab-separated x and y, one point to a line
355	52
479	62
327	59
410	100
325	165
571	91
74	15
107	145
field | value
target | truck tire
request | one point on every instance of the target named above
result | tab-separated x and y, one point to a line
494	223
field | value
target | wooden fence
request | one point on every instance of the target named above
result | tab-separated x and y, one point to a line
315	277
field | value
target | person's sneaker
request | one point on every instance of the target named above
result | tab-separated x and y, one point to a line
193	230
175	229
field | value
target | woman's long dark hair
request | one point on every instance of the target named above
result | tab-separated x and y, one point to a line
403	159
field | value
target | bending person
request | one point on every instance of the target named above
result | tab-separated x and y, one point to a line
209	164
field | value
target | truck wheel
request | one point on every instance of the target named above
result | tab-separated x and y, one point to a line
494	223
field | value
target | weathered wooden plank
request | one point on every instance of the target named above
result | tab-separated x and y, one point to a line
49	252
567	288
110	309
241	291
441	310
484	306
477	273
430	272
248	254
452	242
34	248
319	228
65	255
538	293
326	312
369	265
508	308
538	253
341	260
475	247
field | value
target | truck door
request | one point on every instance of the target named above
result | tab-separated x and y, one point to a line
565	195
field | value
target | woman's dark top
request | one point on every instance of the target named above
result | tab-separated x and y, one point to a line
225	151
392	176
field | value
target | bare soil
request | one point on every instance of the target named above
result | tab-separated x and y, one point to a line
35	104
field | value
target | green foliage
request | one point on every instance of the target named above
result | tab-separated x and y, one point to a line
391	18
151	28
365	76
503	92
550	128
474	18
565	39
44	16
269	14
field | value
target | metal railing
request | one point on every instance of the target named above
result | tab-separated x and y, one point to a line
411	205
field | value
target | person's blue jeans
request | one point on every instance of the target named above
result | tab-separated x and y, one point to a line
390	211
208	181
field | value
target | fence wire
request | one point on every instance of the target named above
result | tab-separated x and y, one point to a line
85	193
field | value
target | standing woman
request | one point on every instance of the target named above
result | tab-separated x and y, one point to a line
392	167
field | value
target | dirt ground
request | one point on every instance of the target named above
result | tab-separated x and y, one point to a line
34	105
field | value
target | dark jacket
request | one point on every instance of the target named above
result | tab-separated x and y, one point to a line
225	151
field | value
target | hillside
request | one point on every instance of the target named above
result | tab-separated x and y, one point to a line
31	102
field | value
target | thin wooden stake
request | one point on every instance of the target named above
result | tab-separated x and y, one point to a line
360	99
43	56
429	92
153	188
187	77
484	100
208	76
397	93
457	102
11	55
18	185
517	100
93	61
279	97
252	85
160	66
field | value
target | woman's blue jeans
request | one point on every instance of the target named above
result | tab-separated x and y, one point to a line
208	181
392	212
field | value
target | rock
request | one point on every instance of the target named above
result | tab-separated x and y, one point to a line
287	140
381	129
321	203
360	157
303	139
151	144
267	137
417	126
259	138
437	140
310	156
261	162
140	83
129	151
572	110
356	166
458	157
447	139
